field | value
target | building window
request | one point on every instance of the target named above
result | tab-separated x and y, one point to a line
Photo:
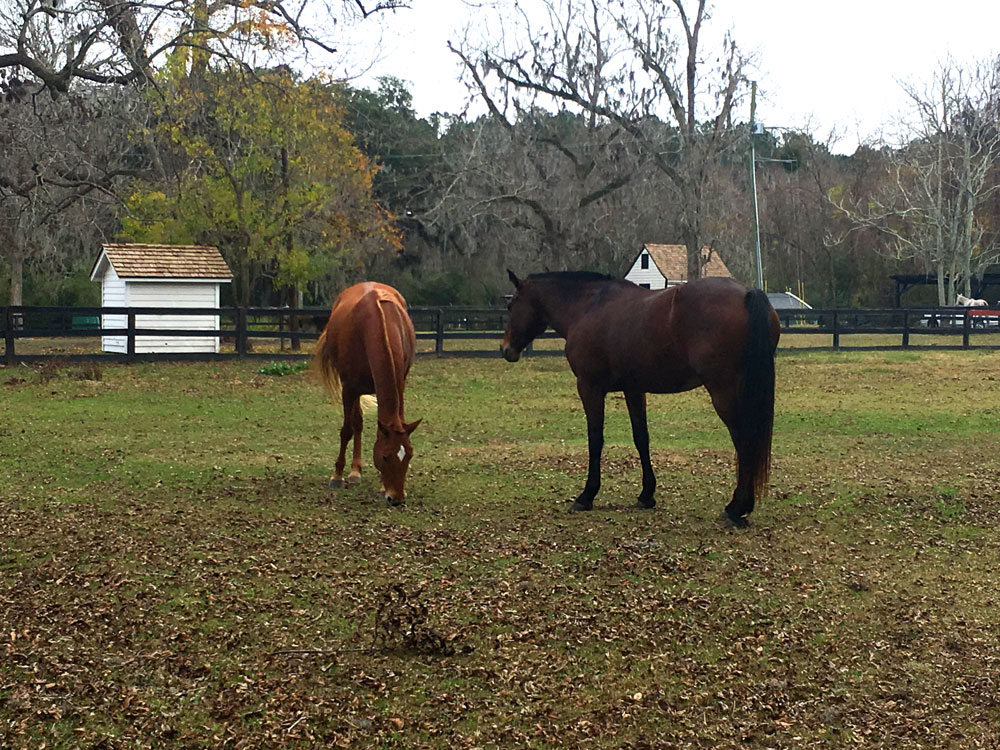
644	261
644	286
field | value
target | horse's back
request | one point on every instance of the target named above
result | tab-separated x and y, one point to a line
357	305
352	296
664	341
711	324
712	312
709	308
357	316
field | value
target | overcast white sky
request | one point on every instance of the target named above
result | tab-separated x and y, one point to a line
822	65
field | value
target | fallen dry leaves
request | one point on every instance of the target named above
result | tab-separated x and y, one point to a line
262	611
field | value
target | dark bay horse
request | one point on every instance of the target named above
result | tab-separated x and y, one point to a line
621	337
366	348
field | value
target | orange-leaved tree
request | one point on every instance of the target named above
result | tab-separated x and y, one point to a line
261	166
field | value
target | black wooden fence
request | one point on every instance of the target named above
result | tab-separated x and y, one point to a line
36	333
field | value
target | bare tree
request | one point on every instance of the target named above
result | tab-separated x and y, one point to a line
934	200
59	152
122	41
632	65
803	242
547	206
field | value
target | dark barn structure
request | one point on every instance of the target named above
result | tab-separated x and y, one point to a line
980	284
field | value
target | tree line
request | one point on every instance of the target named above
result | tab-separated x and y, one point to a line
605	126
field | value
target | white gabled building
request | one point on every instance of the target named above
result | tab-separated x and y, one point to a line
660	266
136	275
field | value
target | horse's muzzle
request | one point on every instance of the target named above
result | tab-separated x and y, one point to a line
511	355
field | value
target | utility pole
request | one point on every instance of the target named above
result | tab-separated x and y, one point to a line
753	181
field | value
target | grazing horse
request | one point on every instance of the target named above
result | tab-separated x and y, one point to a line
366	348
622	337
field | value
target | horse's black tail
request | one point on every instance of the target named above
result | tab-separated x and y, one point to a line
755	405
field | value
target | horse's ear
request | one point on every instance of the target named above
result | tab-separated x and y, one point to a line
383	430
513	279
409	428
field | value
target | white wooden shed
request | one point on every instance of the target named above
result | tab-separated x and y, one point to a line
659	266
165	276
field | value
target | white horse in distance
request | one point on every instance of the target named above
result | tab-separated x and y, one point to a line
963	301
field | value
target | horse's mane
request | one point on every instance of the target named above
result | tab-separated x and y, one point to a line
575	284
572	276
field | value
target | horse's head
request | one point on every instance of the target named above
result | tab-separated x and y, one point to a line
392	458
526	319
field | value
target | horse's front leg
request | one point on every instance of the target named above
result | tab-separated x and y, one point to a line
636	402
593	407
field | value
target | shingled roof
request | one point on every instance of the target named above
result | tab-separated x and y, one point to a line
671	260
137	261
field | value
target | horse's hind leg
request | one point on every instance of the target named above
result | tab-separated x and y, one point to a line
636	402
724	399
350	429
357	422
741	506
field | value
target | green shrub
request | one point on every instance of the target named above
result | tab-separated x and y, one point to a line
283	368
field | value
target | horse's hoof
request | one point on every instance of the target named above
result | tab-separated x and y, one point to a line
578	507
742	522
645	504
336	484
353	478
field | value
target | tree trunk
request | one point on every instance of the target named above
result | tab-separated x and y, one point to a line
942	292
122	17
17	275
293	290
944	295
293	319
242	290
968	217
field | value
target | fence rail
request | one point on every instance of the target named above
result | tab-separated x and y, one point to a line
451	331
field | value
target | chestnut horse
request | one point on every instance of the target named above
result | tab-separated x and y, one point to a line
367	348
621	337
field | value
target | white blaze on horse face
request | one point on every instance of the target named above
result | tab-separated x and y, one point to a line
402	452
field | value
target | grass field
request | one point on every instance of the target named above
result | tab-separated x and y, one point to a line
174	572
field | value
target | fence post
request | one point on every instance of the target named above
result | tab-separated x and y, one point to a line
966	325
8	335
836	331
241	331
906	328
439	333
131	337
